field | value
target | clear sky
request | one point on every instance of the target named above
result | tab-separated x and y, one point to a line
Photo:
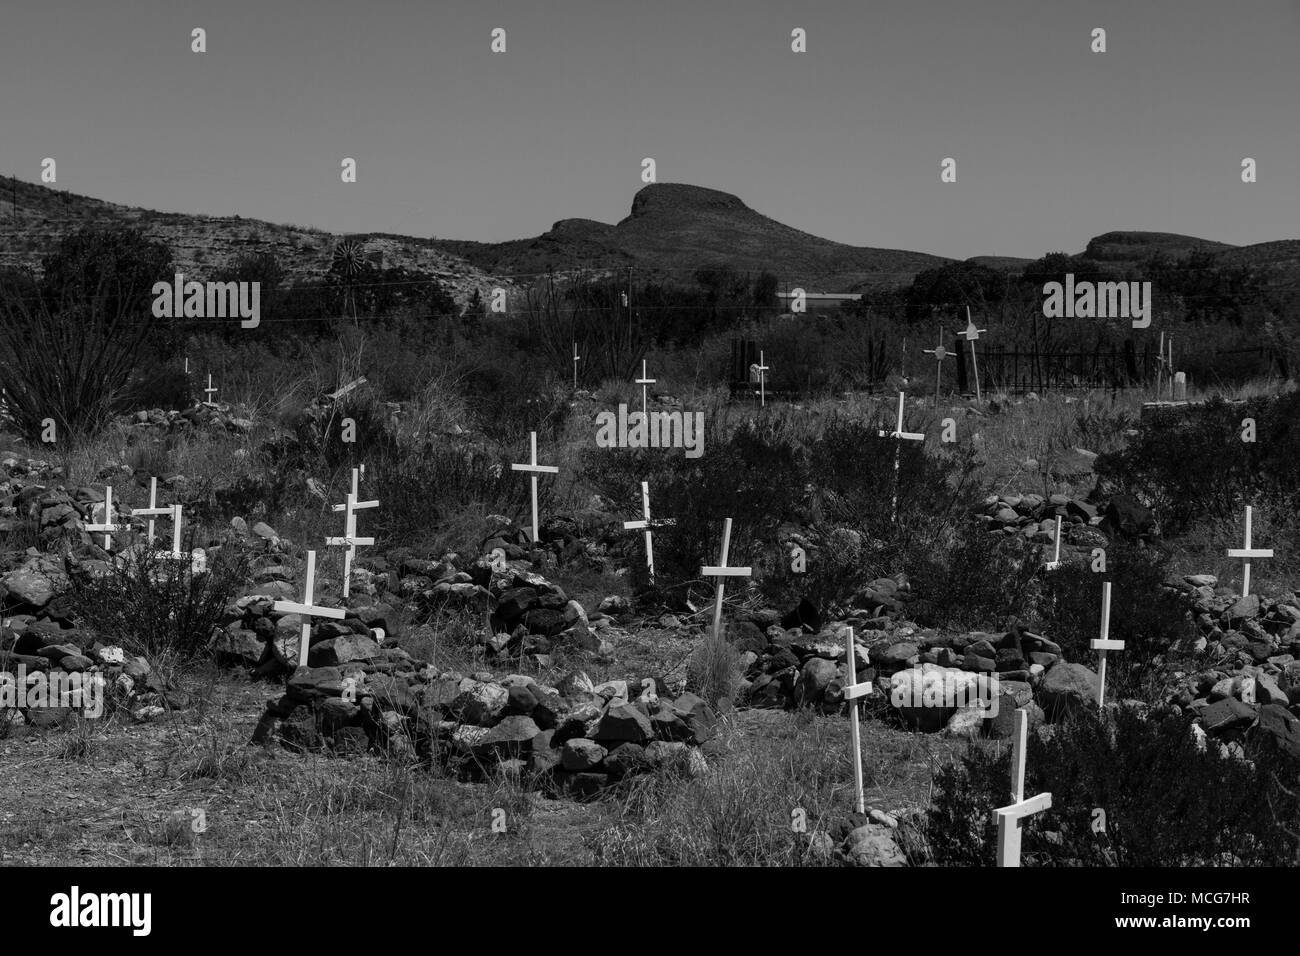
1054	144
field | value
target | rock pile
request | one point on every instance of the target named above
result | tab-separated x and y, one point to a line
357	695
1083	525
1250	647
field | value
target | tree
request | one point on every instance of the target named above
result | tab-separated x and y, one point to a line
69	344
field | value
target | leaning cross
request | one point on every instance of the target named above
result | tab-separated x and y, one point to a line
307	609
647	523
940	353
350	507
971	335
1246	553
722	572
1009	817
852	691
1103	644
643	381
535	469
107	527
762	369
899	435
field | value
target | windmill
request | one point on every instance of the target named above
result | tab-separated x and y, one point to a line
348	262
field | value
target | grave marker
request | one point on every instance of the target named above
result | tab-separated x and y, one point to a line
107	527
852	691
647	523
210	391
900	436
1056	548
971	335
350	507
307	609
644	381
762	369
1247	552
1010	816
940	353
534	470
575	365
153	511
1103	644
723	571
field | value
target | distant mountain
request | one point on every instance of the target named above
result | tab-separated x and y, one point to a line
671	231
674	229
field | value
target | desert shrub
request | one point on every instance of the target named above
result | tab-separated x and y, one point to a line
1191	463
69	343
1144	614
149	605
973	579
427	489
1165	802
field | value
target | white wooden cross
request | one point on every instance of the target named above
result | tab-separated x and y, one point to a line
763	369
722	572
187	365
644	381
940	353
107	527
1056	556
153	511
1009	817
307	609
899	435
210	390
1103	644
647	523
350	507
535	469
971	335
852	691
1246	553
575	365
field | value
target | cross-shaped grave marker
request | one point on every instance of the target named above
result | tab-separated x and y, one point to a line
647	523
852	691
1247	552
1009	817
1056	548
307	609
575	365
722	572
210	390
350	507
1103	644
940	353
971	335
900	436
535	469
763	369
153	511
107	527
644	381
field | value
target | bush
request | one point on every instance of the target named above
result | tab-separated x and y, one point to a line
1144	614
1190	464
973	579
1165	802
151	606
